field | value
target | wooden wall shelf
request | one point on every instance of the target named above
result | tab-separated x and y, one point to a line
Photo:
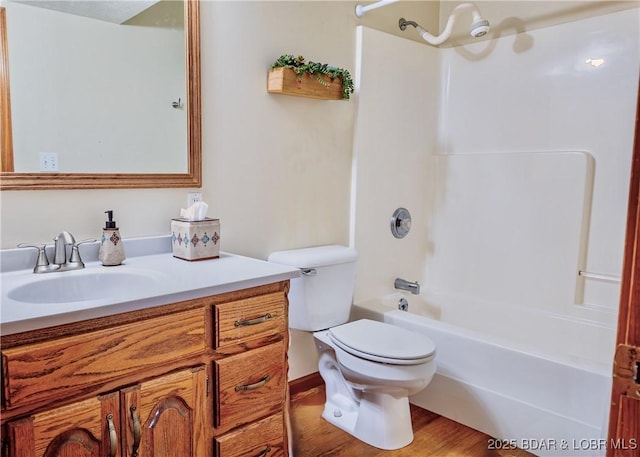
285	81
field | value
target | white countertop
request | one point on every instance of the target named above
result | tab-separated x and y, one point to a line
174	280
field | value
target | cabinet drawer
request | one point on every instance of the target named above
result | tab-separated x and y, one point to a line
261	438
256	317
249	385
81	363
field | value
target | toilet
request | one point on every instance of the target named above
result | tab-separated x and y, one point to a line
369	368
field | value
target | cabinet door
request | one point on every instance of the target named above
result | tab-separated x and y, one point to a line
87	428
166	417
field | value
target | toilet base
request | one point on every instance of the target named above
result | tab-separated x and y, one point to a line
379	418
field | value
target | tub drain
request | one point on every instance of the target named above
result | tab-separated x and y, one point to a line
403	304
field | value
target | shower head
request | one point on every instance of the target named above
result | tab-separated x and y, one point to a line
479	26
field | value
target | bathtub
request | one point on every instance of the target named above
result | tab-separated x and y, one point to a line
496	379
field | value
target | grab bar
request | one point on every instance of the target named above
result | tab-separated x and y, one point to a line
599	276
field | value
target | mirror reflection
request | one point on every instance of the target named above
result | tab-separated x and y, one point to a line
98	86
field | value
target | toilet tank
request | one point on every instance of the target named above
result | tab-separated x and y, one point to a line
321	297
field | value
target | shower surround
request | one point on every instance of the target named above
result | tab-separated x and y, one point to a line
513	156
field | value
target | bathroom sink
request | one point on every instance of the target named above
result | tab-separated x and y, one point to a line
80	286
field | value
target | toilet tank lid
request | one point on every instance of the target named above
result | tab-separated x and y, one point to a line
317	256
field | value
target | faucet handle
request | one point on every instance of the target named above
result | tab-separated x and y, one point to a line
75	259
89	240
42	262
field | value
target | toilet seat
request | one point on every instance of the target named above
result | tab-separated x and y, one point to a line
381	342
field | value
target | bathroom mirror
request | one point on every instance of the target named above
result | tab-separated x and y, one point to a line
167	152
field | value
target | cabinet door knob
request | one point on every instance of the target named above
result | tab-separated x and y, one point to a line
137	431
113	436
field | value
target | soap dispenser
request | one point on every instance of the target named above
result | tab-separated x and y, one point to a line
111	248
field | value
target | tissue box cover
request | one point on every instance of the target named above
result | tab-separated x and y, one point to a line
195	240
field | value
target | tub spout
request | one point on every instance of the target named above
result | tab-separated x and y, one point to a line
411	286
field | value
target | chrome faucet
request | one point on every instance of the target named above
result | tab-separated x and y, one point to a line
62	241
60	262
411	286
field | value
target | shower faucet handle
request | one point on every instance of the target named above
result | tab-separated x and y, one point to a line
400	222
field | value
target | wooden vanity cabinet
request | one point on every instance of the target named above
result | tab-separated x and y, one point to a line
200	378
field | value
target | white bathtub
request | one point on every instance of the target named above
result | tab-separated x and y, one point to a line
503	379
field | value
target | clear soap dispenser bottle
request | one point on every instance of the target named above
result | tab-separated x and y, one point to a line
111	249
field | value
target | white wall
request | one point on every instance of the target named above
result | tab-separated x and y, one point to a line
395	137
278	167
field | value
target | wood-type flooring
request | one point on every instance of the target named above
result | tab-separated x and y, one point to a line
434	435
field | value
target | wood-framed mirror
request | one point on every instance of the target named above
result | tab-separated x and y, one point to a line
12	177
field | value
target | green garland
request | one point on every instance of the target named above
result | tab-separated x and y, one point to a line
298	65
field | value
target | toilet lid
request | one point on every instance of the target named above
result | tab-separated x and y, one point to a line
382	342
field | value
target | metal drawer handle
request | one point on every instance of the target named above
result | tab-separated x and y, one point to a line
136	432
257	385
113	436
265	452
258	320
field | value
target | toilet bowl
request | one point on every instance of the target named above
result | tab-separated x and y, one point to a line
369	368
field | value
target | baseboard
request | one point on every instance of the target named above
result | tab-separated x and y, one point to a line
305	383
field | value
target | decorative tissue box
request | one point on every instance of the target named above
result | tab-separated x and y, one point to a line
195	240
